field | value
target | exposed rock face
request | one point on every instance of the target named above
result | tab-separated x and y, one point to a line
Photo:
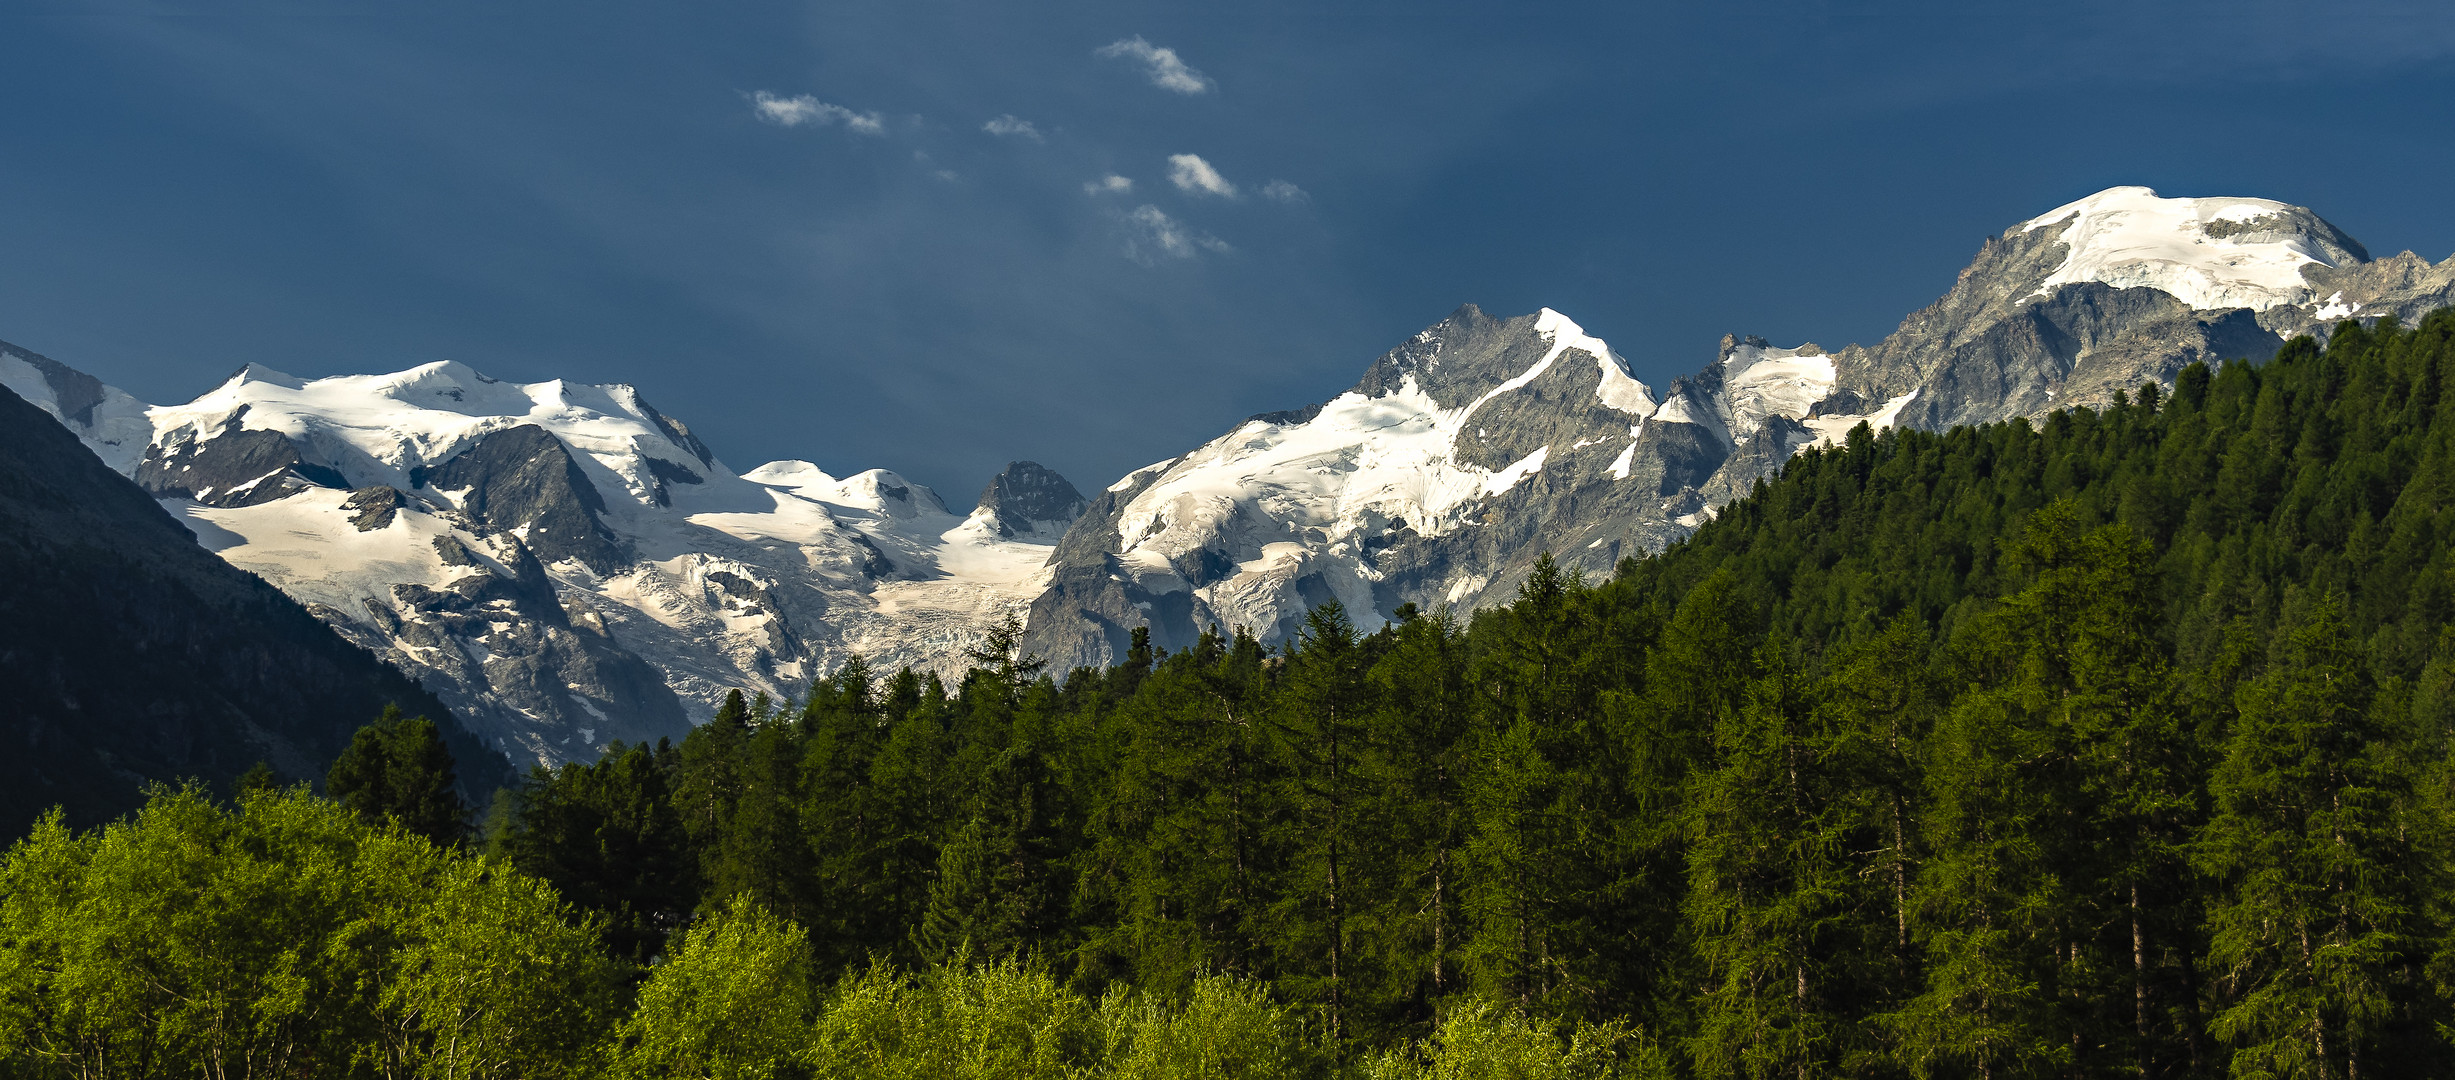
567	565
523	478
231	467
1029	497
1426	484
2125	288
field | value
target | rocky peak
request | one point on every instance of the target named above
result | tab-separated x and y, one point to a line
1029	495
1458	359
522	479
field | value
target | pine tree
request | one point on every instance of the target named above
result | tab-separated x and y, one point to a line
998	888
2316	930
606	836
1554	924
1770	888
1175	833
1419	685
1320	737
399	769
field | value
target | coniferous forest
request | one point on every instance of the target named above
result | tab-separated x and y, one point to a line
2112	745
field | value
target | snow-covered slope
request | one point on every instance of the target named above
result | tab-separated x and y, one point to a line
561	562
1459	458
2208	253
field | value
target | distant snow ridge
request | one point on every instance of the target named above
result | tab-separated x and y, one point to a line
564	564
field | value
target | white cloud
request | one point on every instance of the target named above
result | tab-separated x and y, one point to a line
1012	126
1111	184
1153	235
796	111
1282	191
1190	172
1166	71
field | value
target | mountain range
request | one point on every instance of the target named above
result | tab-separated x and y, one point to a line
565	566
130	654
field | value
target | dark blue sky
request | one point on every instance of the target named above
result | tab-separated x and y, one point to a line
590	191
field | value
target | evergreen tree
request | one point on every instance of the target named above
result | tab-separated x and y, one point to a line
399	769
1176	832
1770	888
606	836
2316	932
1548	902
1332	860
1420	687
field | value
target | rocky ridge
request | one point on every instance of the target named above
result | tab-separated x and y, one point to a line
562	564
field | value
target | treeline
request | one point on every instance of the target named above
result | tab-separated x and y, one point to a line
2112	745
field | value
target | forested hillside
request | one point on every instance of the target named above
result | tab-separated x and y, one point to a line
2115	745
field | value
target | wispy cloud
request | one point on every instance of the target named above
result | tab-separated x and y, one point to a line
1010	126
1111	184
1283	192
1167	71
804	109
1153	235
1190	172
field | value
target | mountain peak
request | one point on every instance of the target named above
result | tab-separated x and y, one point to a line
1028	494
2210	253
259	373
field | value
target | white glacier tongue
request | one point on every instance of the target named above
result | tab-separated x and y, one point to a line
2209	253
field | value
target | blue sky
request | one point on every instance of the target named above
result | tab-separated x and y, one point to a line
863	235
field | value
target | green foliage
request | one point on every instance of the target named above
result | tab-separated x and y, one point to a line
733	1002
607	837
1480	1041
284	937
2316	938
999	1021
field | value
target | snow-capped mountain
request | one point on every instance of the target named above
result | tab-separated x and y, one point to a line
1479	444
562	563
1458	459
565	565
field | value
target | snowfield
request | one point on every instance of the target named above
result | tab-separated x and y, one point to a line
2128	237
